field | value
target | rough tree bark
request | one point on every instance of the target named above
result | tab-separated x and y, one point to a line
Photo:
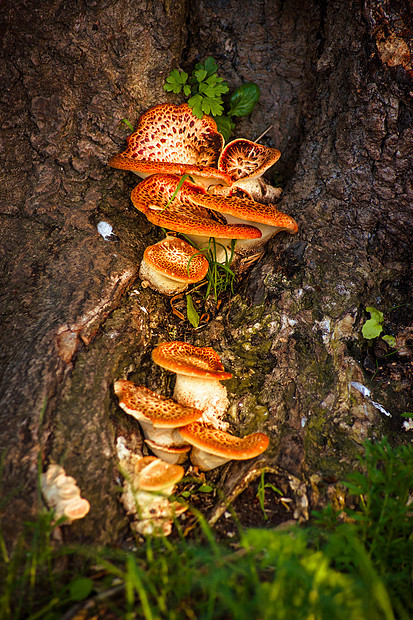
335	83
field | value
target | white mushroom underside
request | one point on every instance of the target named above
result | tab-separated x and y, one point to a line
159	282
243	246
204	243
208	395
161	436
206	461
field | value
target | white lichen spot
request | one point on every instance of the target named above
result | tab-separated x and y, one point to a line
361	388
367	394
105	229
303	421
408	424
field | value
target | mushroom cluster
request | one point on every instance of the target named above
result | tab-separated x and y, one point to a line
224	197
190	422
227	199
148	484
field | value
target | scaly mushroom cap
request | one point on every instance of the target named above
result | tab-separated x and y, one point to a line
220	443
152	474
249	210
242	159
142	403
171	139
177	260
186	359
152	195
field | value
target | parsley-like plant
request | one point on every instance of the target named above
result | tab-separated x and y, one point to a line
204	90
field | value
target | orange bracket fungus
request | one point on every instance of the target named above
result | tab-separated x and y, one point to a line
153	197
171	139
159	417
62	494
212	447
198	374
171	264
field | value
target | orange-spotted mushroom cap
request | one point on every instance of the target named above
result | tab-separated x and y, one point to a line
214	447
242	159
143	404
245	208
153	198
171	139
176	259
186	359
156	475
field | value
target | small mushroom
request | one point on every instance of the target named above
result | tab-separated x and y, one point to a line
149	482
171	264
242	159
198	374
62	494
171	139
159	417
213	447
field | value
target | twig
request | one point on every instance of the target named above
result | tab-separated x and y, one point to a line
263	134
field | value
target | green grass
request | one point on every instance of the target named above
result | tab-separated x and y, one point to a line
352	565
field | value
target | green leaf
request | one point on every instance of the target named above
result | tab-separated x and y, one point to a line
242	102
407	414
391	340
210	65
200	74
224	126
80	588
195	103
375	314
192	314
212	105
371	329
205	488
187	90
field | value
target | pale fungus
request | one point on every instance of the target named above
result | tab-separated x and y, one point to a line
170	265
149	482
212	447
198	374
62	494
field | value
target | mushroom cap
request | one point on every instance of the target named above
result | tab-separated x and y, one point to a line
247	209
156	475
171	139
242	159
186	359
183	214
140	402
176	259
224	444
76	508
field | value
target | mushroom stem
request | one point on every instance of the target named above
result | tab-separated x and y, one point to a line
208	395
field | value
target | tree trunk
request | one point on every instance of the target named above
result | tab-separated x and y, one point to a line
335	84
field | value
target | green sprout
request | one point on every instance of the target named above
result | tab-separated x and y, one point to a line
373	327
204	90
